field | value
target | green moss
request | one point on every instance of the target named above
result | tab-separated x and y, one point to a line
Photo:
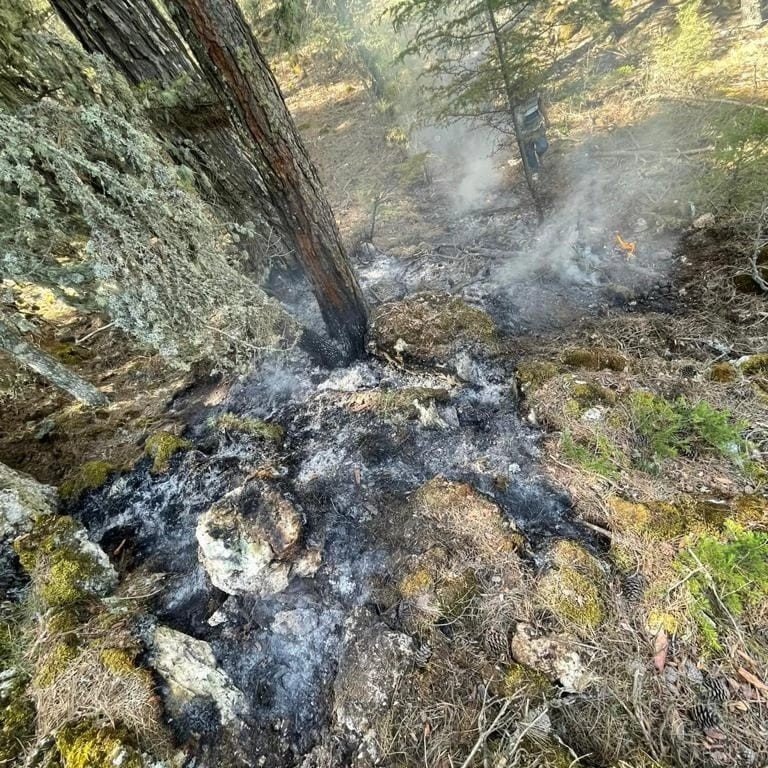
519	679
754	364
574	598
532	374
569	554
595	359
17	723
727	573
599	455
87	746
54	663
587	395
722	372
263	430
91	475
161	446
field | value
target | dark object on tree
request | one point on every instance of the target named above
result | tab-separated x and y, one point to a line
705	716
12	342
530	128
225	48
633	587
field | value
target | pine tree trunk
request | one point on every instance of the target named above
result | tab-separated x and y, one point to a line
12	342
751	13
222	42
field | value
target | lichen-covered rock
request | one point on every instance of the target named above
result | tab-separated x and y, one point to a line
22	499
430	328
551	655
86	745
189	668
249	542
373	661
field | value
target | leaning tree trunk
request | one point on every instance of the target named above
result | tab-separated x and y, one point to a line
219	36
509	92
12	342
144	46
751	13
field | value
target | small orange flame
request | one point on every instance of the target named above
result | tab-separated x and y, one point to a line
628	248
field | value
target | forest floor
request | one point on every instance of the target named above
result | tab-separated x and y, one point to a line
643	372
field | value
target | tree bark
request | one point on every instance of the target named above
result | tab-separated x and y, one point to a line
12	342
219	36
751	13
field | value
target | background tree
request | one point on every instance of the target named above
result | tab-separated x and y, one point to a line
751	13
483	57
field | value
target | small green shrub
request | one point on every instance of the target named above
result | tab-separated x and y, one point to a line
666	429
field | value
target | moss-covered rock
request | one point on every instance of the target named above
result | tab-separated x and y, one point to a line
430	328
416	583
87	477
589	394
263	430
573	588
518	679
17	721
85	745
395	404
722	372
65	568
595	359
532	374
54	662
161	447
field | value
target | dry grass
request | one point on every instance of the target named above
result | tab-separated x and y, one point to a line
87	673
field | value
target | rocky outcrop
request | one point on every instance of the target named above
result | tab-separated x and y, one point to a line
373	661
190	671
249	542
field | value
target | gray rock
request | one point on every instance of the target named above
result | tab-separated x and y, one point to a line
248	542
189	668
22	499
373	661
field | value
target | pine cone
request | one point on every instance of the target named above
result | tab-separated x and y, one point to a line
423	655
705	716
633	587
716	689
496	643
